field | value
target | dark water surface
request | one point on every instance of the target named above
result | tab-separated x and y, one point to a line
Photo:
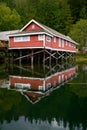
64	108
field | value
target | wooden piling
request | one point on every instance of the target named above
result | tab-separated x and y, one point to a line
32	59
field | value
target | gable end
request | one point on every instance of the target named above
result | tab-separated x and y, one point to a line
32	25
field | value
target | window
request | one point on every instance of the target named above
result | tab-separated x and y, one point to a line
17	39
62	78
74	46
62	43
48	38
40	87
69	44
40	37
48	85
59	41
54	39
33	26
26	38
66	43
21	38
22	86
55	84
59	79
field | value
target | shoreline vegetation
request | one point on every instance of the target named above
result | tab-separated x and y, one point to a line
81	58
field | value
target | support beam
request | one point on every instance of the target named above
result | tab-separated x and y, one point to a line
38	60
50	60
29	55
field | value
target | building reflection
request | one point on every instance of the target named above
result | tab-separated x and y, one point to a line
36	87
63	109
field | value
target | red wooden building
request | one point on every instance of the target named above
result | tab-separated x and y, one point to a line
36	38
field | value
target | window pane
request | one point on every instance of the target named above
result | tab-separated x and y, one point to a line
21	38
54	39
48	38
40	37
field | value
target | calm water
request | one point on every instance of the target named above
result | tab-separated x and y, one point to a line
64	108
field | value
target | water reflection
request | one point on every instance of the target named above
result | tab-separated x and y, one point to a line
64	109
34	88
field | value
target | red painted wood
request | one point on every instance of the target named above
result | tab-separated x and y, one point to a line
32	26
34	42
36	82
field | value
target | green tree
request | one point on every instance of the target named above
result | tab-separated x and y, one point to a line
9	19
75	7
78	32
55	14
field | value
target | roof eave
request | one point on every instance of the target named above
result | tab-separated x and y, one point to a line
37	24
25	34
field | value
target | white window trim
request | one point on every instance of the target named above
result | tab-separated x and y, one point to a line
40	37
55	84
40	87
48	38
21	38
66	43
55	39
62	43
33	26
59	79
59	42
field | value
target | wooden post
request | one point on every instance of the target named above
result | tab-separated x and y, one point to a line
9	54
44	60
50	60
6	58
38	59
32	59
28	58
12	56
74	58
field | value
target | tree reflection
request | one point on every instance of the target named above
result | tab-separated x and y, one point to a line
63	107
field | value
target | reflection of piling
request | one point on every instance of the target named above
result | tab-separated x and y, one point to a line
32	59
20	56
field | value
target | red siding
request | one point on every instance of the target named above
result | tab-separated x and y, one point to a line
32	26
33	82
55	45
64	76
34	42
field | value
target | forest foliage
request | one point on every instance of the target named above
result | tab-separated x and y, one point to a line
61	15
